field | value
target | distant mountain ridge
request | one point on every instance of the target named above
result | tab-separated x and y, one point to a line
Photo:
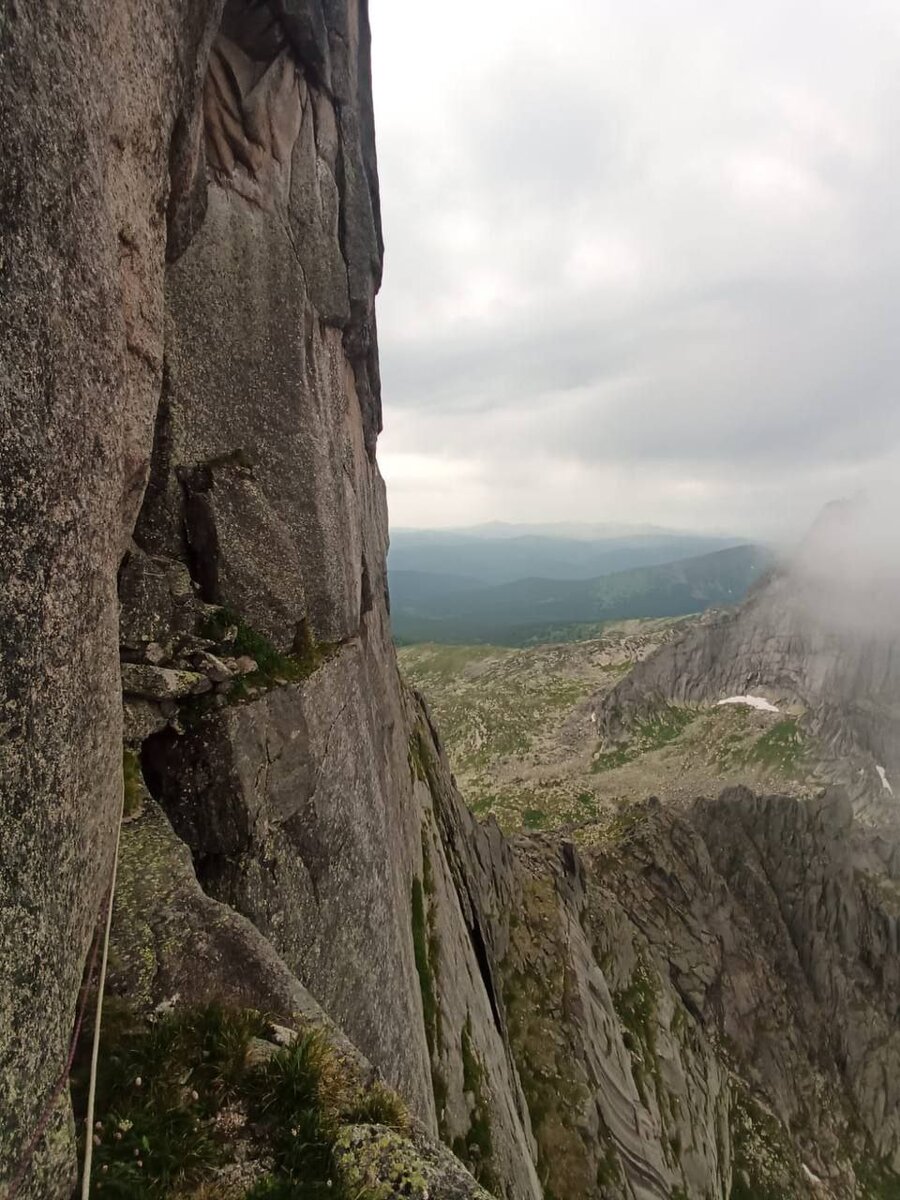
577	530
536	608
496	554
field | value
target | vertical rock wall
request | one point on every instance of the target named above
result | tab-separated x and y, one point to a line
89	95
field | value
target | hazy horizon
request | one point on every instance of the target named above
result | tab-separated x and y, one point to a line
640	261
562	529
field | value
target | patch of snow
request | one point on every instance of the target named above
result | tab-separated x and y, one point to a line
752	701
885	782
809	1174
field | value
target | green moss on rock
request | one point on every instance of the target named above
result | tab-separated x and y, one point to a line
764	1161
375	1163
476	1147
636	1010
134	790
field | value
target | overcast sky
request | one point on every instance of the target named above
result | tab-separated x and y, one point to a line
643	259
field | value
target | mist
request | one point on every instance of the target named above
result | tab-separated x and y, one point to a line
849	566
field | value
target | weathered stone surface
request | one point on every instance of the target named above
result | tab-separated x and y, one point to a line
292	819
141	718
89	96
158	603
162	683
173	944
652	976
831	935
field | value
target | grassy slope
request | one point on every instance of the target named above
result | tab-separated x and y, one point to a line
518	730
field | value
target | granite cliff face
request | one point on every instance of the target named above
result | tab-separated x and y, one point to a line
195	615
191	250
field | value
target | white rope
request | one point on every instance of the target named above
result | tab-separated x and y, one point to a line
95	1052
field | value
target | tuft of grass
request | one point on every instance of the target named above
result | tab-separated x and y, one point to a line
534	818
377	1105
223	1038
153	1135
229	631
165	1085
296	1094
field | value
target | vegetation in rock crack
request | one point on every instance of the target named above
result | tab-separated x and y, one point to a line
132	782
635	1006
188	1094
426	950
765	1164
274	668
554	1089
423	964
476	1147
419	756
225	627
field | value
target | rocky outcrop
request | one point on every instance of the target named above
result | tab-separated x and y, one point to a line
175	950
191	251
819	636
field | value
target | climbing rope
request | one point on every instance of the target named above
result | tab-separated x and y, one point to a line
28	1153
95	1050
104	916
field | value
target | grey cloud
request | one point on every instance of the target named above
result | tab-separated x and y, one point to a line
684	259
